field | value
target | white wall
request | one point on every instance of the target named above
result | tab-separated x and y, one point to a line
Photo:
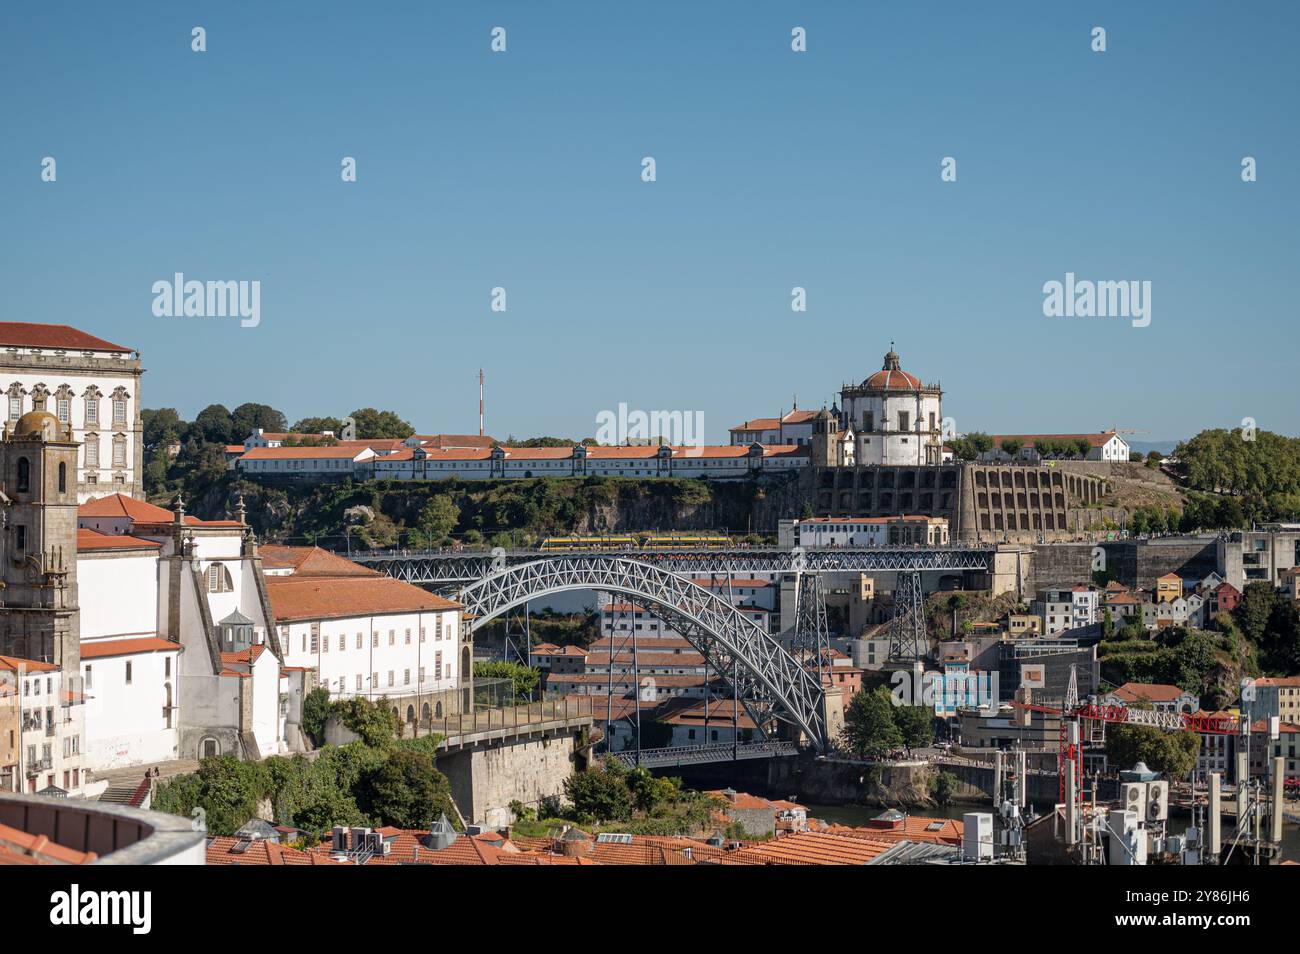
118	594
378	652
126	724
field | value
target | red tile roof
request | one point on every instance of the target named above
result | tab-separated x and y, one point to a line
104	648
88	540
14	663
221	851
336	597
1151	692
26	334
813	848
311	561
116	506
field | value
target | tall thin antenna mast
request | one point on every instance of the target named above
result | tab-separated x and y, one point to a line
480	402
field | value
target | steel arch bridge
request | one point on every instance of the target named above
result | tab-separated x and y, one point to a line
766	678
424	567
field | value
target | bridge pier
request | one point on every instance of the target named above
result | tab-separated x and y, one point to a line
489	770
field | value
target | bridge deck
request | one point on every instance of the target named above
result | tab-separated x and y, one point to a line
701	754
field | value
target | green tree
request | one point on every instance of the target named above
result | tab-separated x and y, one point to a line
1172	754
380	425
161	426
943	786
315	710
1255	609
600	793
869	727
438	518
212	426
1012	446
916	725
407	791
248	417
318	425
525	678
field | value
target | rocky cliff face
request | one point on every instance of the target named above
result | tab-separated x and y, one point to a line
539	506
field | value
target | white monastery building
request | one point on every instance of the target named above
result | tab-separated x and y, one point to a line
88	383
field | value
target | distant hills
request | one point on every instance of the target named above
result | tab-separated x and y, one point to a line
1146	447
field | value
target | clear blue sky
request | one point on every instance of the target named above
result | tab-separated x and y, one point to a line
775	169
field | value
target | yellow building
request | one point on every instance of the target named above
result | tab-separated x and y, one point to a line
1169	588
1024	625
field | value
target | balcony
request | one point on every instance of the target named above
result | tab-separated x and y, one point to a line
40	765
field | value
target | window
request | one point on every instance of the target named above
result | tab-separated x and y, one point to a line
167	667
408	637
903	420
119	412
360	637
92	410
406	677
63	478
392	637
87	675
390	677
20	538
24	482
358	682
15	407
219	579
315	642
63	406
374	640
119	451
129	673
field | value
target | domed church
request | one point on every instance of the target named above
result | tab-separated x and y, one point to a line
897	419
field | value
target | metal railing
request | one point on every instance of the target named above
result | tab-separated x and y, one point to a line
453	728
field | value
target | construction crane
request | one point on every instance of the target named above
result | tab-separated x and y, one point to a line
1073	715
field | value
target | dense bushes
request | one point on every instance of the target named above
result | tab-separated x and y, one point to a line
379	780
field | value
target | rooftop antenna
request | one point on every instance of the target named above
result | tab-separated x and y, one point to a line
480	402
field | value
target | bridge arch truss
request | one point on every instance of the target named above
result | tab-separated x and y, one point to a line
765	677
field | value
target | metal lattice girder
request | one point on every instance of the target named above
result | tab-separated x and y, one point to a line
701	754
908	639
769	671
434	568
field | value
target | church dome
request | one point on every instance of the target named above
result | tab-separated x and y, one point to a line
40	424
891	377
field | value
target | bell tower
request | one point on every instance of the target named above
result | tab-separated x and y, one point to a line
38	544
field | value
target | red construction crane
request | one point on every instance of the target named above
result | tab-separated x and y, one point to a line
1072	751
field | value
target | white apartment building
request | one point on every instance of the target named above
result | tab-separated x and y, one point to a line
87	382
793	427
366	634
50	742
819	532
